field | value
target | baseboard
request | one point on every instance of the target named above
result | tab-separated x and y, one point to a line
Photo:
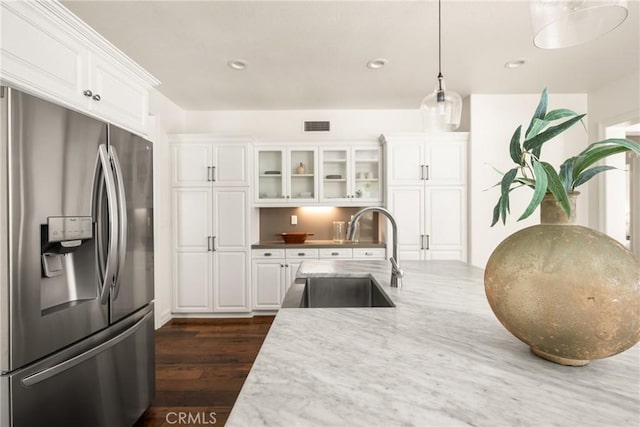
164	317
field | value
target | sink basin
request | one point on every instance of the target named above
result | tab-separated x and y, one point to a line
316	292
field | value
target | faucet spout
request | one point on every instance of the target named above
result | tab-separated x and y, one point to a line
396	272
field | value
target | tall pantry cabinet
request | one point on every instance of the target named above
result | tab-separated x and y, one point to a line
211	223
426	178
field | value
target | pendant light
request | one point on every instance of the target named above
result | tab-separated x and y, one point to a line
441	109
565	23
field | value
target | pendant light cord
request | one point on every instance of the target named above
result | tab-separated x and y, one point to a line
439	40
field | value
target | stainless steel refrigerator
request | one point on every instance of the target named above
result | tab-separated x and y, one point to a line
76	268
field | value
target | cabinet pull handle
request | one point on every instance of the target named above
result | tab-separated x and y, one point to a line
213	173
421	172
213	245
427	248
301	253
267	254
96	97
368	253
209	174
427	172
335	253
421	241
210	244
87	93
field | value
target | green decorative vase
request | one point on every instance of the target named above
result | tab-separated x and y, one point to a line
569	292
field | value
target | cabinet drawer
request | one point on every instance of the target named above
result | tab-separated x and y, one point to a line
302	253
336	253
267	253
372	253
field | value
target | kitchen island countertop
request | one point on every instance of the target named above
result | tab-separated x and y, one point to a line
279	244
440	357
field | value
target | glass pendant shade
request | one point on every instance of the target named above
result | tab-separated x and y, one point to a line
441	109
564	23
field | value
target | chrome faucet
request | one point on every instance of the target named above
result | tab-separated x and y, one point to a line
396	272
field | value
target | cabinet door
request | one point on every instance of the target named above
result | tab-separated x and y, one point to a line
268	284
192	276
191	164
406	203
366	174
405	163
230	282
117	96
37	54
302	166
445	162
192	219
335	169
231	219
270	177
445	220
230	165
192	282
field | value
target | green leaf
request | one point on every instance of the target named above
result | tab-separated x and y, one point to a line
631	145
537	141
593	155
496	212
566	173
514	147
560	113
505	185
538	192
590	173
535	128
557	189
526	181
541	110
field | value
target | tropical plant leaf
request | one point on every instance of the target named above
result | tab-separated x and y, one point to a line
514	147
537	141
631	145
536	128
496	212
554	184
539	190
526	181
505	185
566	173
593	155
560	113
587	174
541	110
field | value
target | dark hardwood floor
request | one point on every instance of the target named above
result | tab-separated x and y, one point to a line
201	365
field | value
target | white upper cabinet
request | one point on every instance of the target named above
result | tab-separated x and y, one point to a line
351	175
48	51
203	161
286	175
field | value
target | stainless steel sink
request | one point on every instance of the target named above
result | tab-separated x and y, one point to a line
316	292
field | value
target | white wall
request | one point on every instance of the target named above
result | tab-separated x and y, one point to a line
614	103
493	120
167	118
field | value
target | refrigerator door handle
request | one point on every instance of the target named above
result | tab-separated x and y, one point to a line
110	187
76	360
122	217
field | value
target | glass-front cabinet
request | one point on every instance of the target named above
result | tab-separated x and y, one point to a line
351	175
286	175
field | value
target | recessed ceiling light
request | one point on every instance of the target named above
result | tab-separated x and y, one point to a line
377	63
515	63
237	64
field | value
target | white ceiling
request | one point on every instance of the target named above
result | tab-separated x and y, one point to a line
313	54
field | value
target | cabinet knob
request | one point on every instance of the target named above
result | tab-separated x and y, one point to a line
96	97
87	93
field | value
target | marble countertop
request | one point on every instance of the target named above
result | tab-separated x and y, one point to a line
279	244
439	358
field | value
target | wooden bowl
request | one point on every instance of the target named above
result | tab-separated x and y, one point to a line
294	237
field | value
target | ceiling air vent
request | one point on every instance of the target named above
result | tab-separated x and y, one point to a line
317	126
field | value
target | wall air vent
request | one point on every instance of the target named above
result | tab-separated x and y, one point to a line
317	126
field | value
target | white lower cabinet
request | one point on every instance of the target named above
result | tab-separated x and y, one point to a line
211	255
274	270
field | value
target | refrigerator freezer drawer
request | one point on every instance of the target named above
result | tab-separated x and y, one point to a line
110	384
